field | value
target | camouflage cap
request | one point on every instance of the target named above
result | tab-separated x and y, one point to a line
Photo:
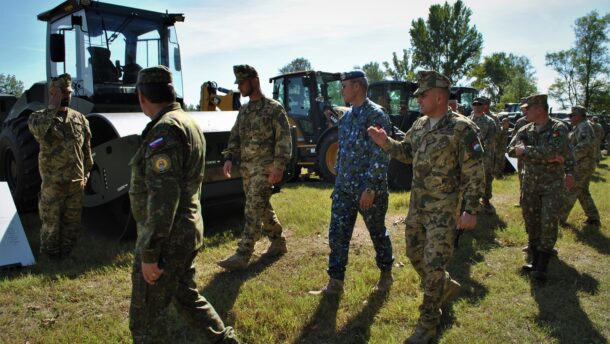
427	79
155	75
355	74
579	110
63	82
537	99
244	72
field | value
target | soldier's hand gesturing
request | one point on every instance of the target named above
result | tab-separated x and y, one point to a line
379	136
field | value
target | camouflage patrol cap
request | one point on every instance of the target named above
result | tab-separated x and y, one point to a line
355	74
244	72
579	110
63	82
155	75
427	79
537	99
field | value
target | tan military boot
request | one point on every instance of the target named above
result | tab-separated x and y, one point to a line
277	248
334	287
421	335
450	291
385	281
235	262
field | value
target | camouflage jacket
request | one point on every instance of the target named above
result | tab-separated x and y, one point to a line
583	141
361	163
550	141
261	135
166	175
65	145
502	137
447	163
487	132
599	132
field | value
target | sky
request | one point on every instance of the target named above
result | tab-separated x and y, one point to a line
334	35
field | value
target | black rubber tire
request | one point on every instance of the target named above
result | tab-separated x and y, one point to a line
400	175
328	148
19	163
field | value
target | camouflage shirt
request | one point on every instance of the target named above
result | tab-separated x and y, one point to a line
599	132
261	135
65	145
541	145
166	175
361	163
447	162
487	132
583	141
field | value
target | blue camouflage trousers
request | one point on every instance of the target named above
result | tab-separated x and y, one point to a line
344	210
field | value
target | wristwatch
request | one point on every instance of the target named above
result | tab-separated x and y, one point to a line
369	191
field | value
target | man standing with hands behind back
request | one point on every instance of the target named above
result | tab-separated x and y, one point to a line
261	139
446	154
64	162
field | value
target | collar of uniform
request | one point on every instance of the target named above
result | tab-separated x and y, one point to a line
358	109
171	107
257	104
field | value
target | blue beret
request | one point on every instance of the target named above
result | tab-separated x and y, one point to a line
352	75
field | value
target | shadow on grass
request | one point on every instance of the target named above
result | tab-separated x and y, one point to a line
559	306
593	236
223	289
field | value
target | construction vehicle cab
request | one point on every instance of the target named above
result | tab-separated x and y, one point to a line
103	47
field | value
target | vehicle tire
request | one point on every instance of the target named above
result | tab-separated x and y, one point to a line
19	163
327	157
400	175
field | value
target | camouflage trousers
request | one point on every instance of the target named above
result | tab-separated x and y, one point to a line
430	238
581	192
259	215
60	207
489	178
149	303
541	207
500	162
344	210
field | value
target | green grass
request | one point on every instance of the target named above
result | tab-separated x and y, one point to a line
85	299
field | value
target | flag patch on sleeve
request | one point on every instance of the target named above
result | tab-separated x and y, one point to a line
157	143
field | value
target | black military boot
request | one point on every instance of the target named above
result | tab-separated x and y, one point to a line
532	257
539	273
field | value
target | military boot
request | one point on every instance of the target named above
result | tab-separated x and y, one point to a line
334	287
422	335
237	261
532	258
450	291
539	273
385	281
277	248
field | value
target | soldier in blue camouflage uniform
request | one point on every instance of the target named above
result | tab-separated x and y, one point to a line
584	142
487	134
361	185
447	158
166	175
64	162
543	145
261	140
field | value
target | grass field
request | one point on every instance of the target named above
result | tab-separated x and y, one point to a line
85	299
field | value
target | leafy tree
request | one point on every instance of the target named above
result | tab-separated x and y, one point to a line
584	72
504	77
297	65
446	42
400	69
10	85
373	71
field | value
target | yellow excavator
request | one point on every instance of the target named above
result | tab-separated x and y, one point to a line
211	100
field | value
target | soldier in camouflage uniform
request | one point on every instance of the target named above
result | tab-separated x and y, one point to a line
583	141
166	175
64	162
498	153
543	145
447	158
361	185
487	134
501	146
599	135
261	140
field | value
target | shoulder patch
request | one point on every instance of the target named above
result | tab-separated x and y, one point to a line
157	143
161	163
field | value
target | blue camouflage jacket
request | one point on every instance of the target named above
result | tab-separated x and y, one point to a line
361	163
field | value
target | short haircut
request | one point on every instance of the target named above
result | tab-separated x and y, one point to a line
363	82
158	93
